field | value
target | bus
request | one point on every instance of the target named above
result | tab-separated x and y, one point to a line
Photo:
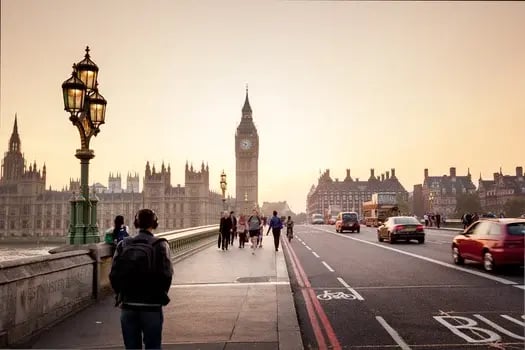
317	219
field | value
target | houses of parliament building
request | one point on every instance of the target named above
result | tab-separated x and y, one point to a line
29	211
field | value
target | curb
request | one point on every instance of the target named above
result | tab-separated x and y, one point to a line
288	329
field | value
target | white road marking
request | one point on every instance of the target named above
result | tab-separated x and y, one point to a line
303	243
473	272
499	328
316	255
397	338
514	320
328	266
229	284
352	290
307	247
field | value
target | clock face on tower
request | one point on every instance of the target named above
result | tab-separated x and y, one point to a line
246	144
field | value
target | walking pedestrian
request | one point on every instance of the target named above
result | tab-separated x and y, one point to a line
141	274
234	227
241	230
225	229
289	228
117	234
275	225
254	227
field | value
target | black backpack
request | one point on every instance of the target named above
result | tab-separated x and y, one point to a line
134	269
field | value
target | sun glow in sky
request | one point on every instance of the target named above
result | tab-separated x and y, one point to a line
333	84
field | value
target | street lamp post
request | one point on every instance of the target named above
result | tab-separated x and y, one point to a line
245	203
430	200
87	109
223	188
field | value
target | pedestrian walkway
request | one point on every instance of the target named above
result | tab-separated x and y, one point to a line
219	300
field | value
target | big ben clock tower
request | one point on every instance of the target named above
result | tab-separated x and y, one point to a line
247	160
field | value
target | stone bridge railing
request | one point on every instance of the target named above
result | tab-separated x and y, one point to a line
37	292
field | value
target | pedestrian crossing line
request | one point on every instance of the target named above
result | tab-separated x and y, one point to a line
352	290
316	255
393	333
327	266
307	247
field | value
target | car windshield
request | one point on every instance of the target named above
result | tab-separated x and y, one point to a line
405	221
516	229
317	216
350	216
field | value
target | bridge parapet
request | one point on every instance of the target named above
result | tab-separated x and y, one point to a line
37	292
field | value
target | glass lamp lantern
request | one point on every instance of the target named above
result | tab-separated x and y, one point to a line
97	108
223	181
88	71
74	92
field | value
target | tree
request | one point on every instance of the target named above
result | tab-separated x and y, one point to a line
514	207
468	203
300	218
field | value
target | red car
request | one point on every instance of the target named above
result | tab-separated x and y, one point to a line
493	242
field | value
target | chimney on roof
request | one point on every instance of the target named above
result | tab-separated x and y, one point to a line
393	172
347	173
382	177
388	175
372	173
426	173
496	175
452	172
519	171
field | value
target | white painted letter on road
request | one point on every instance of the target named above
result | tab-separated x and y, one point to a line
468	325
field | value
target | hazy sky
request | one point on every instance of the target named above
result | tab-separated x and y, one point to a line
333	84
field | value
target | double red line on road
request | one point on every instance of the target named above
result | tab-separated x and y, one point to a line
314	309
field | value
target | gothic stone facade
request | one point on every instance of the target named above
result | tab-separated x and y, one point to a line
493	194
350	194
27	209
439	193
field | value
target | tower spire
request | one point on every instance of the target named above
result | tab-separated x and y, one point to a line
15	127
246	109
14	141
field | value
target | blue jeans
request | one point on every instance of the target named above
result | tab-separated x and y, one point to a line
136	323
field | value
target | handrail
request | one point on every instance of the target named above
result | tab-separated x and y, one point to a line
184	239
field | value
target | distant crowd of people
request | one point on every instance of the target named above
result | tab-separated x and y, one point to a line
433	219
251	229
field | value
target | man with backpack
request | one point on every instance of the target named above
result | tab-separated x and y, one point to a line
141	276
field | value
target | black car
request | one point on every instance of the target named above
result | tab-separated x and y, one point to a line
401	228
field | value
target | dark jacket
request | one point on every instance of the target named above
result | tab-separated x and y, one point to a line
155	292
226	225
234	222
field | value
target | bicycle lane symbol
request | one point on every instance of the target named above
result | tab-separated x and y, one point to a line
327	295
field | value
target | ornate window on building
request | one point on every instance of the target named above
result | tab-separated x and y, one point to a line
25	224
12	225
2	225
48	224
